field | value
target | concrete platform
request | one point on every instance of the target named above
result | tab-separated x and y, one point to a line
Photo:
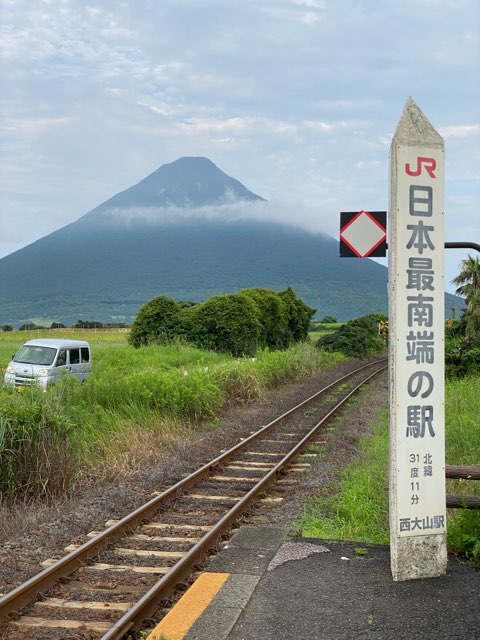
273	588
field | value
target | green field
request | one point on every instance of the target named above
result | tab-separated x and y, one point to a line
318	329
134	400
11	341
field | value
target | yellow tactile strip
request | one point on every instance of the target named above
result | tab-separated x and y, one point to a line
191	605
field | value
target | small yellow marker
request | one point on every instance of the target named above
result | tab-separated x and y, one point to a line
189	608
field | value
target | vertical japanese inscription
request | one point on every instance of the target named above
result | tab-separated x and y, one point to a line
420	342
416	310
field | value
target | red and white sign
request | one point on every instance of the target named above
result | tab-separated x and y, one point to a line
363	234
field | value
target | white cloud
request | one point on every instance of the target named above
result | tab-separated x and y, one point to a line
443	5
328	127
238	126
350	104
311	18
301	12
297	99
233	211
310	4
460	131
459	49
386	140
34	126
161	108
371	164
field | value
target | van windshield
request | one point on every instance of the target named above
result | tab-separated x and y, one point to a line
30	354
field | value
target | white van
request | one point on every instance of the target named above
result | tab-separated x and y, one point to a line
43	361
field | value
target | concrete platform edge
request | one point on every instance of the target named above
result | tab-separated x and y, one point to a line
246	557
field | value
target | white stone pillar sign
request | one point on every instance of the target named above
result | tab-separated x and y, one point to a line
416	351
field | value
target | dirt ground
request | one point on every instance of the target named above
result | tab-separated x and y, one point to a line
33	533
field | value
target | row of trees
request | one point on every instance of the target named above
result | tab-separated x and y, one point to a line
80	324
237	323
359	337
468	281
462	346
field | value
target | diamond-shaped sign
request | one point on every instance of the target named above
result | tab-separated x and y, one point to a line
363	234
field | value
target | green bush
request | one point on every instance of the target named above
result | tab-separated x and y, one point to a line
235	323
464	535
357	338
456	328
273	316
228	323
157	321
299	316
461	358
462	352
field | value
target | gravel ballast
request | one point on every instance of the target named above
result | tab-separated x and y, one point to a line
41	531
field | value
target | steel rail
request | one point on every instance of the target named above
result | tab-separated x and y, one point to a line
27	592
149	603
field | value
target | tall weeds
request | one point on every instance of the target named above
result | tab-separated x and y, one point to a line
48	439
35	454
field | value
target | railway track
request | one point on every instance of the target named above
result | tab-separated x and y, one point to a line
123	575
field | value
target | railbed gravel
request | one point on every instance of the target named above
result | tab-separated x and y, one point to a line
42	531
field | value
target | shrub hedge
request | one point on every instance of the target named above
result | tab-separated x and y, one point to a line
236	323
229	323
272	316
357	338
157	321
462	352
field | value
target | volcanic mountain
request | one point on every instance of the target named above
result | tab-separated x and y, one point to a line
187	231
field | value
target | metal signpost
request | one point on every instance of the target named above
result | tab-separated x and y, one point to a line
416	349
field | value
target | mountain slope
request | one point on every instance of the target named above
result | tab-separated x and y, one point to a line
187	182
144	241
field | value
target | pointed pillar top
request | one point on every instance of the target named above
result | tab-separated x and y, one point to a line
414	129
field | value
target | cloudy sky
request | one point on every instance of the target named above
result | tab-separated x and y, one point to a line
297	99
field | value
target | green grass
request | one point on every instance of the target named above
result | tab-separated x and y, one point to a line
356	506
47	440
326	326
318	330
463	448
110	348
315	335
462	418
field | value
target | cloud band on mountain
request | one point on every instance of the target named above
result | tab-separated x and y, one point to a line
228	211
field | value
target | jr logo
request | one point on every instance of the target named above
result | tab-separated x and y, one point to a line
429	164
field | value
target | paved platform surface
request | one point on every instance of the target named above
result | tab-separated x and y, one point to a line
275	588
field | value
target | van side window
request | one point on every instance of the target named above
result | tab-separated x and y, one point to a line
85	354
61	358
74	356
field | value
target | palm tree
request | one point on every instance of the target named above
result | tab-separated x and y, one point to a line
469	286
